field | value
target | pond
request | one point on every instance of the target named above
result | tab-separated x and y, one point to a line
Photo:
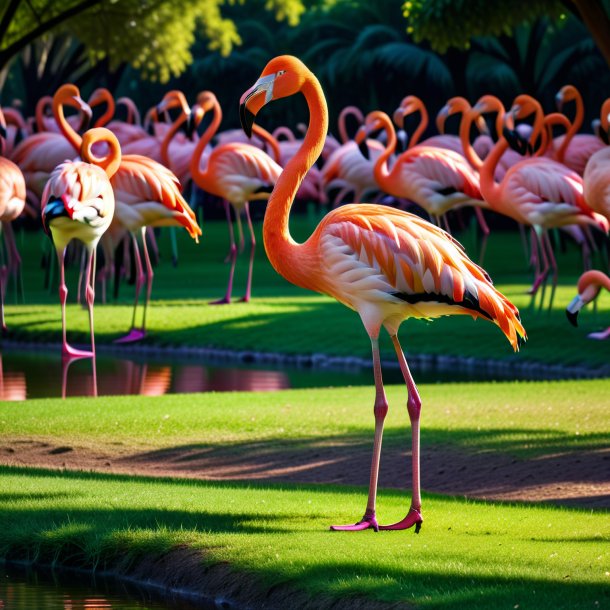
44	589
41	373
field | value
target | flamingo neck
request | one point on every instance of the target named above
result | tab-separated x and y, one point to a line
199	175
110	108
348	111
380	170
133	114
66	129
490	189
469	152
169	136
281	248
43	103
593	278
423	123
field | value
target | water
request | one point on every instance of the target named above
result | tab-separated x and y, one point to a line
26	589
42	374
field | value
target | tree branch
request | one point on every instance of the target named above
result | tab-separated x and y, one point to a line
598	23
43	28
9	13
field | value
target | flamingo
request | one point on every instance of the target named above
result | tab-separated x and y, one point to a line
538	191
574	149
12	202
386	264
597	182
78	203
237	172
39	154
589	285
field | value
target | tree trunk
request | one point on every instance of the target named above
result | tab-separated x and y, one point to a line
597	22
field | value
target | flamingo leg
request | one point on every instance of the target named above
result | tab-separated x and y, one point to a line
67	351
246	297
81	273
135	334
485	229
232	257
149	280
369	520
413	517
90	292
541	275
553	263
240	232
229	255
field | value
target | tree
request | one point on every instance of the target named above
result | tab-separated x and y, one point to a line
447	23
154	36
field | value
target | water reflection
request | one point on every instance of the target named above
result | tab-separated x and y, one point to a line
26	589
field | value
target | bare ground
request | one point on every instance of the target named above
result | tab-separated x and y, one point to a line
573	478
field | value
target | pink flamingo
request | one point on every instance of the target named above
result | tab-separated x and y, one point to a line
12	202
385	264
589	285
574	149
239	173
537	192
78	203
39	154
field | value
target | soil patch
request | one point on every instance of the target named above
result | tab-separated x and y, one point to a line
572	478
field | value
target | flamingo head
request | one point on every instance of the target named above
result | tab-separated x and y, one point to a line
69	95
99	96
282	76
173	99
589	285
373	122
567	93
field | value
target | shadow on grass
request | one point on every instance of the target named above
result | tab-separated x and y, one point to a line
105	535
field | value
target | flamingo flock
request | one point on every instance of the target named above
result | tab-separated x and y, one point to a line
109	185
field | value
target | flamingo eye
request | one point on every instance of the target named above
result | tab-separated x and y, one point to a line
281	72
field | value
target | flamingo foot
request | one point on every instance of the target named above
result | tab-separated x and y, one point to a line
135	334
368	521
224	301
534	289
601	335
71	353
245	299
413	518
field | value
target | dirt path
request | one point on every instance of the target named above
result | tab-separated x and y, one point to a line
575	479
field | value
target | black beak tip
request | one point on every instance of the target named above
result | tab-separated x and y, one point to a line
246	119
364	149
572	318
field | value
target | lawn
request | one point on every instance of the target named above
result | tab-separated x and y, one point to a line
468	554
285	319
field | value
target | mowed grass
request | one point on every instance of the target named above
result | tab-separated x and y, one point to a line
285	319
468	554
524	420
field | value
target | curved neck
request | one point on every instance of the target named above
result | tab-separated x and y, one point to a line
605	111
110	108
285	133
456	105
469	152
66	129
593	278
169	136
133	114
423	123
276	235
342	120
199	175
490	189
42	104
380	168
109	163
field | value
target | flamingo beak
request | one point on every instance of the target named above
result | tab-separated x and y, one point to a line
360	139
559	101
399	118
252	101
576	304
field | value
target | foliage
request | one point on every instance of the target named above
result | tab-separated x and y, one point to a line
446	23
155	36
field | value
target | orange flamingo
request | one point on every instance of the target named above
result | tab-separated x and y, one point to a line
237	172
574	149
78	203
12	202
386	264
589	285
39	154
537	192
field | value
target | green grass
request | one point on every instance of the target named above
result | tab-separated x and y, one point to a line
468	555
283	318
524	420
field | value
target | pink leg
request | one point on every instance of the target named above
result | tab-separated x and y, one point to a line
540	277
149	281
233	259
3	277
413	517
246	297
369	520
90	293
485	228
135	334
81	273
67	351
229	255
240	232
553	264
